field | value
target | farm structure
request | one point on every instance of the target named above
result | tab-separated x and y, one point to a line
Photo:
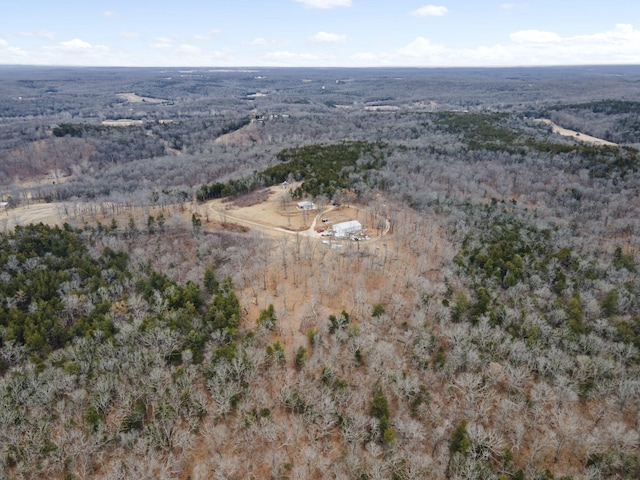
346	228
306	205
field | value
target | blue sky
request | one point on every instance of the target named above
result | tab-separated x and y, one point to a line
319	33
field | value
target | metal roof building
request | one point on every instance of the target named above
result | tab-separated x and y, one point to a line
306	205
346	228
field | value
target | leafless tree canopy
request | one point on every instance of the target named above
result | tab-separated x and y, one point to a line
490	329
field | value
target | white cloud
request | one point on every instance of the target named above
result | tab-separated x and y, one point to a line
527	47
324	37
190	49
422	48
261	42
285	54
616	45
73	52
430	11
11	54
535	36
75	44
210	35
619	45
131	35
370	59
290	59
324	4
39	34
109	14
163	42
508	6
365	56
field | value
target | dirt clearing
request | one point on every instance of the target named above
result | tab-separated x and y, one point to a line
272	209
577	135
134	98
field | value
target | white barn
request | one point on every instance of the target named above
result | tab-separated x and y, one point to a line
346	228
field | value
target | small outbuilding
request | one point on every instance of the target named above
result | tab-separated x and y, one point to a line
346	228
306	205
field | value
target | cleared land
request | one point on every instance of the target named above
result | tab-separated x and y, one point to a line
272	209
124	122
577	135
134	98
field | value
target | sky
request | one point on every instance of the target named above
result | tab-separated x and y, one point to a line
319	33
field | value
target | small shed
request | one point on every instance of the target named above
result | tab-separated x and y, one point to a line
306	205
346	228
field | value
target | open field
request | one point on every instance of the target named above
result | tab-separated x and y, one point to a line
273	209
270	211
124	122
46	213
576	135
135	98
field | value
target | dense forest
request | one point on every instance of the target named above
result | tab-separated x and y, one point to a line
492	332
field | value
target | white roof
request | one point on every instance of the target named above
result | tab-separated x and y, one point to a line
347	225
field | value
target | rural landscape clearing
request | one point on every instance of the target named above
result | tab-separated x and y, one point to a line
320	273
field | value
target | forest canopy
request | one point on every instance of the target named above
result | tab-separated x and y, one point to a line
323	170
168	311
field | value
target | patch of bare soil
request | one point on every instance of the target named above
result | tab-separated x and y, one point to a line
78	214
247	135
381	108
577	135
47	213
134	98
272	211
124	122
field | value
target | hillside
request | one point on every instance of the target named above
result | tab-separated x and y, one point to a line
176	315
